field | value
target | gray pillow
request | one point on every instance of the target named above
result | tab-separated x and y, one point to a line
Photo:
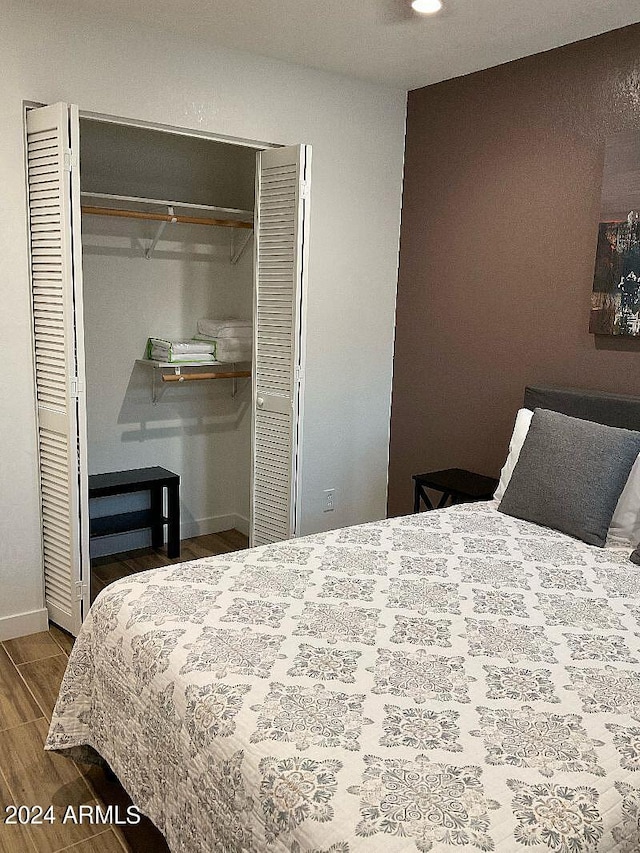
635	557
570	474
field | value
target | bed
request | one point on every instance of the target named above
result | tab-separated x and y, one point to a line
457	679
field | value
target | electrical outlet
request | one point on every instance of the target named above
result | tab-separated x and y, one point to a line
328	500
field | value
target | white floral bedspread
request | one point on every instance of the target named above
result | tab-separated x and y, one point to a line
457	679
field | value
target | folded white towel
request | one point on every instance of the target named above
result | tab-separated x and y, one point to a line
239	338
246	333
229	328
182	346
172	357
234	343
235	357
232	349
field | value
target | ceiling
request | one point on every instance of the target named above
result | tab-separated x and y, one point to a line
383	40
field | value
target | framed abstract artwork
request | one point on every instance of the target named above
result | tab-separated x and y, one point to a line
615	303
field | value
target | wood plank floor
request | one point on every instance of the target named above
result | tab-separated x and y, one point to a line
105	570
31	669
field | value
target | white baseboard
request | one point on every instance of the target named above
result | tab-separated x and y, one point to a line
24	623
142	538
214	524
242	524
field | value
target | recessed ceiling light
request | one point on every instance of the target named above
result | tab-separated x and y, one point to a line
426	7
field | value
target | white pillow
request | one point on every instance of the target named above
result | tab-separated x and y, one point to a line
520	430
625	524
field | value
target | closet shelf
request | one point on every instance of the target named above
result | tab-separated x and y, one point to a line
228	217
161	202
191	371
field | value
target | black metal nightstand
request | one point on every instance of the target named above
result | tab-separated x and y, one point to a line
456	484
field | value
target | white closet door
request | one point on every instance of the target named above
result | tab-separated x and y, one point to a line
282	193
54	216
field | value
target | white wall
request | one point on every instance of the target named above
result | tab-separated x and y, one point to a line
56	52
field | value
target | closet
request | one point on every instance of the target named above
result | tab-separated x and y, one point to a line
137	233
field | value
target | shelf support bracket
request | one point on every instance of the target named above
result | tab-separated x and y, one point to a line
159	233
154	386
236	254
157	383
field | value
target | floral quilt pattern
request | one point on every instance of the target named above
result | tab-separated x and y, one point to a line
455	680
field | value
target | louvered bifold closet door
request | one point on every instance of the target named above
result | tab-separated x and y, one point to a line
281	222
49	163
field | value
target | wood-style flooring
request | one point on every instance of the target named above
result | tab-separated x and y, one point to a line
31	669
105	570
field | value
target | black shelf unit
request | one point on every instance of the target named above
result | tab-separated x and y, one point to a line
153	480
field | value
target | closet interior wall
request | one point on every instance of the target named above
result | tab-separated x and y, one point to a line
196	429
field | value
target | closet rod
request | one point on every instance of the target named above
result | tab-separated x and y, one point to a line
189	377
163	217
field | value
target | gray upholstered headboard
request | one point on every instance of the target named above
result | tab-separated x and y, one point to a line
610	409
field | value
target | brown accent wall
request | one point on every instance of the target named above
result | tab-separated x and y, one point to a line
499	225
